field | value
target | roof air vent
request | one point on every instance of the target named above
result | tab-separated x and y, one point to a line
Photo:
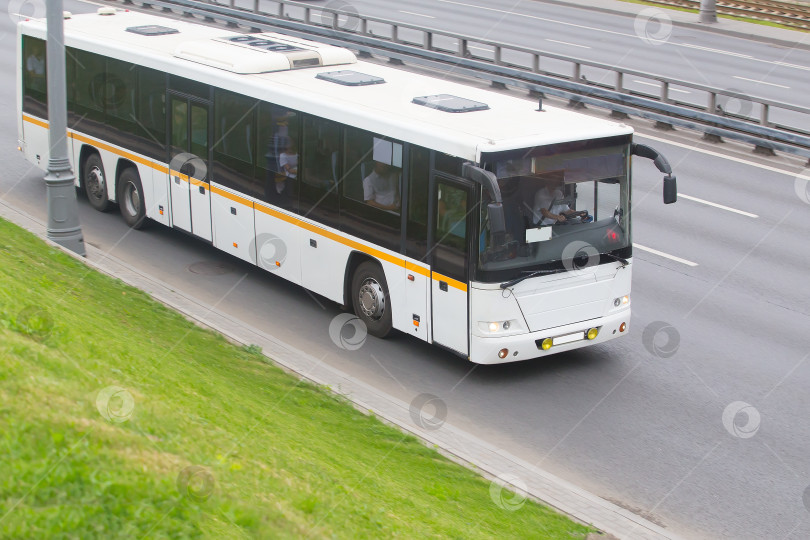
347	77
152	30
448	103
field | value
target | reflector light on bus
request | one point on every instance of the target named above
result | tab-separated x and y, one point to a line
622	327
503	353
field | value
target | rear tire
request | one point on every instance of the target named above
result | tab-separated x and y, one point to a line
370	299
130	198
95	183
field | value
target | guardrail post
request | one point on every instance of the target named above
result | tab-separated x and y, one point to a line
711	108
577	71
428	41
281	10
763	114
536	63
364	26
463	50
497	55
664	92
394	33
619	86
256	6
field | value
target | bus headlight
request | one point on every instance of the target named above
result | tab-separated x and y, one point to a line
497	327
622	301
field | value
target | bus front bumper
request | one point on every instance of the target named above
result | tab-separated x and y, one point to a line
499	350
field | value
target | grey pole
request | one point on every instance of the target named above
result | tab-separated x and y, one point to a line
708	11
63	210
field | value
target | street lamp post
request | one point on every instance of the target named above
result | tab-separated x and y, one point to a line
708	11
63	210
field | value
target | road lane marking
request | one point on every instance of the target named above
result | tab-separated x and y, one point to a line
417	14
794	66
762	82
718	51
723	156
659	86
665	255
722	207
566	43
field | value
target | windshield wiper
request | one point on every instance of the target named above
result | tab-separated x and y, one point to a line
530	274
622	260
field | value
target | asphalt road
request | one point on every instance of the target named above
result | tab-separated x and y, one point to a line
639	420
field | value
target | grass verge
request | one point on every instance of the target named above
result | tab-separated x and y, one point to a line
119	418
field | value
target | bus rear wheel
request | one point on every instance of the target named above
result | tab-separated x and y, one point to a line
370	298
130	198
95	183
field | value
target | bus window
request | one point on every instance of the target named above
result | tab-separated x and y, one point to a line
277	156
234	147
450	238
35	87
89	85
320	169
417	225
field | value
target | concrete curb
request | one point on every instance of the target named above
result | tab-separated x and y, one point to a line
791	39
457	444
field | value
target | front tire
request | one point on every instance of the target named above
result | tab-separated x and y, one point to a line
372	303
130	198
95	183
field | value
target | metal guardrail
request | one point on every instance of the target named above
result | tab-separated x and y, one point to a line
522	67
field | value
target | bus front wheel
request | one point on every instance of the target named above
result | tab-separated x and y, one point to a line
95	183
372	304
130	198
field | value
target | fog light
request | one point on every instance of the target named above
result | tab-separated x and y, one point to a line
503	353
622	327
592	333
546	344
625	300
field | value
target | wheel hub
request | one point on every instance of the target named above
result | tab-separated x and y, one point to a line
95	181
372	299
132	200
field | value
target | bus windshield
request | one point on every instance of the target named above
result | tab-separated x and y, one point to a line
562	204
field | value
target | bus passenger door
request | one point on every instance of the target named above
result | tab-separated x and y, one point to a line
188	164
452	198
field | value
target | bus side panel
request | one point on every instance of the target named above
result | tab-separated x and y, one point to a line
323	264
156	185
410	300
234	228
36	144
277	244
450	324
110	161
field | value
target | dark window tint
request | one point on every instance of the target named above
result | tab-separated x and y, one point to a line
277	155
418	179
35	87
121	94
371	188
450	231
187	86
235	142
89	82
320	169
448	164
151	125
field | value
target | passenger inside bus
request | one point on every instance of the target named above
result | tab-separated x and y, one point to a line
381	187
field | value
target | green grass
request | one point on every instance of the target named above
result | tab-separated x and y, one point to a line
206	439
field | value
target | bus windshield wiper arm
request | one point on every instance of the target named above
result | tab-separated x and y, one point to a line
622	260
532	274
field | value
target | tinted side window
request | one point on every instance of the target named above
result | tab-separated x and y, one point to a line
417	226
320	170
277	156
371	188
151	125
450	233
235	142
89	83
448	164
35	86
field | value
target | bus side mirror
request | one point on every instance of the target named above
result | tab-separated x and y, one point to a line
497	223
670	189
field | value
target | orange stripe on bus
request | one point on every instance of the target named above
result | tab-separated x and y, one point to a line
450	281
418	269
35	121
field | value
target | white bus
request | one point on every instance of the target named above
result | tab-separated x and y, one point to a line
461	216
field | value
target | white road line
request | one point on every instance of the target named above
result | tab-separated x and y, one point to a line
718	51
723	156
666	255
417	14
794	66
566	43
659	86
722	207
761	82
